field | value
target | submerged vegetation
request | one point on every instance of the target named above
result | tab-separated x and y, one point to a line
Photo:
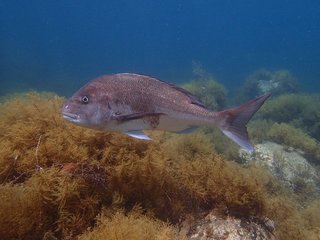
62	181
206	88
264	81
296	138
292	120
299	110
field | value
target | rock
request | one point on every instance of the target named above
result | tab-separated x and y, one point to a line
286	164
213	226
266	86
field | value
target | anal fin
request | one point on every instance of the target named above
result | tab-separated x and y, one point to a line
188	130
138	134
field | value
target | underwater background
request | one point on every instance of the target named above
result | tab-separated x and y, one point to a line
59	45
59	181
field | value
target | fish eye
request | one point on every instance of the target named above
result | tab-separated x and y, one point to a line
84	99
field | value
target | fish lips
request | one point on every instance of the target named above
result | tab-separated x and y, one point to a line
71	117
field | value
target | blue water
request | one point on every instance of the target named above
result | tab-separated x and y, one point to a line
60	45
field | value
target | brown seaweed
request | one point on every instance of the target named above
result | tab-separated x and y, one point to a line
62	181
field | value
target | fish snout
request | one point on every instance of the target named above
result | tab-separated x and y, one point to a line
68	115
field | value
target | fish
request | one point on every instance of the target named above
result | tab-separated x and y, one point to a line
131	103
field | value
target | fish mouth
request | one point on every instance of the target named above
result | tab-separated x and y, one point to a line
71	117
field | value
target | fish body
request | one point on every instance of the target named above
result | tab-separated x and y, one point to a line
131	103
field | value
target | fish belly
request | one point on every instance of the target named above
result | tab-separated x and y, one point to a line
168	123
165	123
137	124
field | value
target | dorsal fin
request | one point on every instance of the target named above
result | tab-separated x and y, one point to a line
193	99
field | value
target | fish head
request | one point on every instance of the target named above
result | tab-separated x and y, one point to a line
88	107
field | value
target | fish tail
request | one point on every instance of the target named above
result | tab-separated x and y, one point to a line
234	121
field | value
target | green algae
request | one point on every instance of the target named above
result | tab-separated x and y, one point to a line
212	93
299	110
290	119
209	91
296	138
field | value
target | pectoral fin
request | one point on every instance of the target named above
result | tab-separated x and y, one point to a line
138	134
133	116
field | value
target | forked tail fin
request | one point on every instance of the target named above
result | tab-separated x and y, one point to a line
235	121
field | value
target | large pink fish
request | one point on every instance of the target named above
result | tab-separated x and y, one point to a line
131	103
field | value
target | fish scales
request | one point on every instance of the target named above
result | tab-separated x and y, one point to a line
144	93
131	103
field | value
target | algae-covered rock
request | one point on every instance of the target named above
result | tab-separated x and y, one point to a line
264	81
288	165
215	227
288	135
294	137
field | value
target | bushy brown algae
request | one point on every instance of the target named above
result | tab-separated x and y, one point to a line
22	213
62	181
135	226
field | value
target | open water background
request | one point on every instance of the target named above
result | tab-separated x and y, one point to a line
59	45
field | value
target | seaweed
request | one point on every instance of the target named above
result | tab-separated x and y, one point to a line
34	136
286	134
212	93
258	129
188	147
132	225
284	211
222	144
299	110
49	201
290	119
21	213
62	181
72	200
311	215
